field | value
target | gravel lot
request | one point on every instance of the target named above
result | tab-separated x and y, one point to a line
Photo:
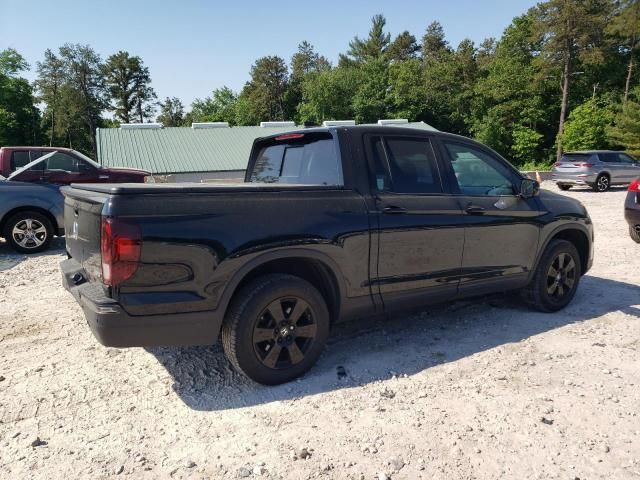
481	389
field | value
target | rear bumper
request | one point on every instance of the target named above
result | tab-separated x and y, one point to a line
114	327
575	179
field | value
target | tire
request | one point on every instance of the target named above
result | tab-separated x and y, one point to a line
603	183
37	228
634	233
564	188
540	294
261	320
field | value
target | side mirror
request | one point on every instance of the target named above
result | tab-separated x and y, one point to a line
529	188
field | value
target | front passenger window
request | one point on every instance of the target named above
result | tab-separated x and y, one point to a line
62	161
478	173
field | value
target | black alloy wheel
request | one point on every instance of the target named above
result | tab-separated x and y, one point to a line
561	276
284	332
556	278
275	328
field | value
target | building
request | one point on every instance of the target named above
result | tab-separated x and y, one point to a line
200	153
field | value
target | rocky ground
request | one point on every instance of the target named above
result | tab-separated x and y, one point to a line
476	389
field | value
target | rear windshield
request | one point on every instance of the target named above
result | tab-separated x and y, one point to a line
300	158
575	157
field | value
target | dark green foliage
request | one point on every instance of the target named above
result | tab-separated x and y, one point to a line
19	119
171	113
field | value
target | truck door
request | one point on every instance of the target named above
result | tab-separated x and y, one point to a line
420	240
501	228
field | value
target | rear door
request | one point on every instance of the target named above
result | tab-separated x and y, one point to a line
501	228
420	238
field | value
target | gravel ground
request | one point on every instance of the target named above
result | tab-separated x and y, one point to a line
475	389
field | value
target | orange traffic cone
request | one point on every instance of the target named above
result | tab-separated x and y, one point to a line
538	177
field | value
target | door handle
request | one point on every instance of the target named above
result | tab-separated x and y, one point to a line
474	209
394	209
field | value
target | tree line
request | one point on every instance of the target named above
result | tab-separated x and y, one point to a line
562	76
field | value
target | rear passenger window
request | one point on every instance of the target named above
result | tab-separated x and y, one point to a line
19	159
410	165
299	158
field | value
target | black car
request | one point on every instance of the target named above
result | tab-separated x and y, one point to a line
330	224
632	210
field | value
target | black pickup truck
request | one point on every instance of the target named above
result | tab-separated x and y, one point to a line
330	224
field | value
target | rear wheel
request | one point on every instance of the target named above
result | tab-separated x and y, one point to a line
556	278
276	328
28	232
602	183
634	232
564	187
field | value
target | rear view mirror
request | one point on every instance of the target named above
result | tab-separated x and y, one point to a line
529	188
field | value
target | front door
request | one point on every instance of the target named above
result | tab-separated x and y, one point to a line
501	228
420	240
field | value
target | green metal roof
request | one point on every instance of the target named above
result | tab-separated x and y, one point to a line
184	149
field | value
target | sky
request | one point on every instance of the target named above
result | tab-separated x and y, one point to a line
194	46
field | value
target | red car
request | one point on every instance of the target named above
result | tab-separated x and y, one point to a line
61	166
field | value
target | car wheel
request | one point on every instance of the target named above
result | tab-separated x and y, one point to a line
602	183
556	278
276	328
28	232
564	187
634	232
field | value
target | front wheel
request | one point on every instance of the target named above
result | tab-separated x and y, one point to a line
276	328
556	278
28	232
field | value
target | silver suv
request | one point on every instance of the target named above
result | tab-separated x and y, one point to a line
598	169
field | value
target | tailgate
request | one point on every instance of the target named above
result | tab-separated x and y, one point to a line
82	225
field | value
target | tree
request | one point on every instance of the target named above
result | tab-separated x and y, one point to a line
171	113
144	97
626	25
404	47
85	87
434	45
371	48
572	32
370	101
51	78
127	82
305	61
18	116
328	94
625	131
586	127
219	107
511	106
265	92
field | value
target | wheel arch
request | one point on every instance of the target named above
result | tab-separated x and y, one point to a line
30	208
316	268
576	235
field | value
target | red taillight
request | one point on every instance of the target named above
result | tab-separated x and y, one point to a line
289	136
635	186
120	249
557	164
583	164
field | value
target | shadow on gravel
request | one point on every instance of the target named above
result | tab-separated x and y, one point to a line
9	258
204	380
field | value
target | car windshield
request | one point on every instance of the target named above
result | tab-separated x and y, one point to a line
87	159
